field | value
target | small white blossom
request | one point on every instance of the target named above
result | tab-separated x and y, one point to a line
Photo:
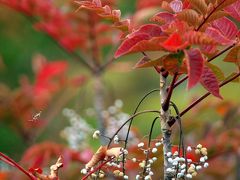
192	165
205	165
189	160
198	167
169	154
189	176
181	159
116	139
138	177
170	160
125	177
158	144
150	161
154	158
154	150
189	148
202	159
147	177
199	146
183	166
84	171
179	175
134	159
175	153
175	163
141	144
125	151
151	173
183	171
205	157
96	134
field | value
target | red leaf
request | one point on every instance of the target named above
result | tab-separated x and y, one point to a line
153	30
195	63
176	5
227	28
174	43
217	36
233	10
163	18
210	82
127	44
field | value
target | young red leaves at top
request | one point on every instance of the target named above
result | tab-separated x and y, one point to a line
195	63
210	82
146	38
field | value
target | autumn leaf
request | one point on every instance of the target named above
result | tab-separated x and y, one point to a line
217	36
163	17
200	5
198	38
176	5
210	82
227	28
174	43
190	16
128	43
217	71
195	63
233	10
233	56
153	30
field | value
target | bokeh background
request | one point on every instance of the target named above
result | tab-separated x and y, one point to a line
214	122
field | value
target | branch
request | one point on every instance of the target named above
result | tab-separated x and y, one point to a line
206	95
16	165
165	105
165	128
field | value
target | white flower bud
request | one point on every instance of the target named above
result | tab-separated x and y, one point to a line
141	144
205	165
198	167
199	146
202	159
170	160
96	134
189	176
138	177
154	158
169	154
84	171
134	159
125	177
154	150
189	148
116	139
158	144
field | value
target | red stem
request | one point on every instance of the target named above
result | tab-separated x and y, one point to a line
97	168
206	95
15	164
